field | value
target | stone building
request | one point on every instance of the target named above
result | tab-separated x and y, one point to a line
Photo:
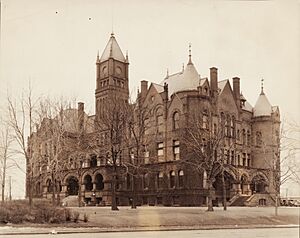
163	178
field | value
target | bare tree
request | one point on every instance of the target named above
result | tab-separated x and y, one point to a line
112	123
204	146
5	154
138	124
21	121
60	129
282	164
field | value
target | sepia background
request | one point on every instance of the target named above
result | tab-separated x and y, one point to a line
53	44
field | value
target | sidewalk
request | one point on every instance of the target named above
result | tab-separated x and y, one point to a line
102	219
12	230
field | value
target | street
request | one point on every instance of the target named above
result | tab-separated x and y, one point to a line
232	233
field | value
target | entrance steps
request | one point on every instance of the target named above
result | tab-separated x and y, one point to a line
240	201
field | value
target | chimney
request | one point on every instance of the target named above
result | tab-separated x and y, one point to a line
236	90
80	115
144	89
214	80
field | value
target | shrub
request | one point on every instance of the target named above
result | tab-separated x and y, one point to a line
76	216
68	214
85	217
41	212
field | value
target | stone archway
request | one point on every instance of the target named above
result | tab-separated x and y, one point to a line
259	184
99	182
72	185
87	181
244	184
218	186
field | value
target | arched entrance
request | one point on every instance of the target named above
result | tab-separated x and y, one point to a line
218	186
88	183
72	186
99	182
258	184
244	184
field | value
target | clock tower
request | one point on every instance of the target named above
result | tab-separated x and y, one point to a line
111	74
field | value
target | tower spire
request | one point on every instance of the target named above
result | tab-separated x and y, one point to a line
262	87
190	54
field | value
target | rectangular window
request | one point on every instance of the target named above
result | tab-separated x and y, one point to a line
248	160
176	149
232	158
244	159
146	154
160	149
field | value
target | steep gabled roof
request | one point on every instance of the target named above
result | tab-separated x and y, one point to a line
222	84
159	88
112	50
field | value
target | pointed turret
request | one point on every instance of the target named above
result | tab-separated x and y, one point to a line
98	59
190	72
112	50
262	107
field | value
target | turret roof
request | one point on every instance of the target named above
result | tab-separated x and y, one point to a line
112	50
262	107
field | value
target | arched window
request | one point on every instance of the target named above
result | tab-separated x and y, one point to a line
49	186
99	182
159	121
258	138
223	119
232	125
205	119
160	177
175	120
93	162
244	137
248	137
172	179
180	178
88	183
227	126
238	135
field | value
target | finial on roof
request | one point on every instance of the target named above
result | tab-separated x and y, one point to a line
190	53
112	34
167	73
262	87
182	67
126	59
98	59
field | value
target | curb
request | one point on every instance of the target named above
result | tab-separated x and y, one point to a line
59	230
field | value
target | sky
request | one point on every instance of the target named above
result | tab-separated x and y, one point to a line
54	43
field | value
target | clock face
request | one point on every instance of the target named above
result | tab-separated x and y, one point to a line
104	70
118	70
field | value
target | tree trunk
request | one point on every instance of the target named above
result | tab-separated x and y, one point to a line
276	204
30	192
79	192
53	190
224	192
209	198
4	174
133	202
114	206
